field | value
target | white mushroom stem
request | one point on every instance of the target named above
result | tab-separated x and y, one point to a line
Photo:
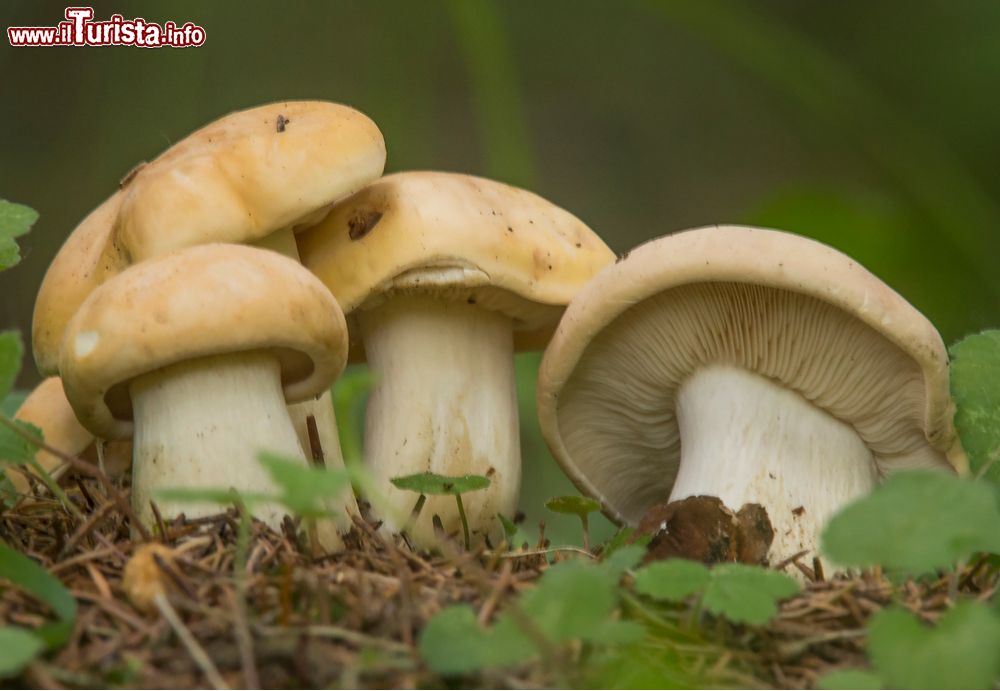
745	438
320	409
201	424
444	402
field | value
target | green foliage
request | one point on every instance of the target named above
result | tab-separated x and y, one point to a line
210	495
573	505
574	601
975	387
15	221
19	646
926	521
740	593
350	394
11	351
432	483
304	489
673	580
454	643
15	449
850	679
621	560
622	539
13	401
961	652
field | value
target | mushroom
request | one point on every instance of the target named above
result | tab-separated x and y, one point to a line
47	409
747	364
443	277
194	354
251	177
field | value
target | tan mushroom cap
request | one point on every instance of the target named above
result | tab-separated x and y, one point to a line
484	241
86	260
783	306
235	180
208	300
47	409
248	174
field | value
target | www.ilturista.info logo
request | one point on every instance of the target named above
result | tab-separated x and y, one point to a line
79	29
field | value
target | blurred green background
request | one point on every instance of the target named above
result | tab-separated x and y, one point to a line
871	126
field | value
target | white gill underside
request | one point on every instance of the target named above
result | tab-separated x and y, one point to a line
746	439
201	424
444	401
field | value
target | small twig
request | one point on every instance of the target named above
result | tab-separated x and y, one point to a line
315	445
550	550
465	521
244	639
415	513
197	653
791	560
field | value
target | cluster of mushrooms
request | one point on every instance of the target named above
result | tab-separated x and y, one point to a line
203	311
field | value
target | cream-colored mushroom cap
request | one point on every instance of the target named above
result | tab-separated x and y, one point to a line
85	261
784	307
237	179
463	237
248	174
47	409
202	301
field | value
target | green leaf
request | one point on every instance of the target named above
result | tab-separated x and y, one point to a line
742	594
622	560
15	449
672	579
975	387
850	679
926	520
573	600
304	489
33	579
622	539
746	594
349	396
11	351
573	505
10	405
210	495
15	221
18	647
432	483
617	632
961	652
452	643
509	529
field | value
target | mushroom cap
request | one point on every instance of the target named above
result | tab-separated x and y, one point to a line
87	259
465	238
248	174
47	409
201	301
235	180
783	306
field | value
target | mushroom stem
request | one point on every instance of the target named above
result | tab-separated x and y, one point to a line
747	439
282	241
445	402
202	423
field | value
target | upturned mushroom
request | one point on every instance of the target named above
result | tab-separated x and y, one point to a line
747	364
443	277
252	177
195	354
